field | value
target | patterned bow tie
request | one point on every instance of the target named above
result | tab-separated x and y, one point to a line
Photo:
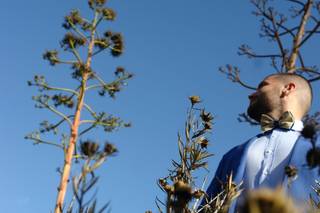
286	121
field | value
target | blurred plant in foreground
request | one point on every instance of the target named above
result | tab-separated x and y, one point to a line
268	201
82	41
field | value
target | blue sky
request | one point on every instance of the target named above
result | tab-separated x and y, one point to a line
173	47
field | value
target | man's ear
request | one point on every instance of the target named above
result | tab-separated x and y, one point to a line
288	88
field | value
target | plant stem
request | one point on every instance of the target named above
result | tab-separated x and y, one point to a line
298	38
74	129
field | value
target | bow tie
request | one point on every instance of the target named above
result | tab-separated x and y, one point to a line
286	121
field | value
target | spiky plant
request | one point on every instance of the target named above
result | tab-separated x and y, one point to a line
83	42
182	194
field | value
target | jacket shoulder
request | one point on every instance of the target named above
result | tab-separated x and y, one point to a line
228	164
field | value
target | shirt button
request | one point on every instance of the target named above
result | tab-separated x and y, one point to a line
267	152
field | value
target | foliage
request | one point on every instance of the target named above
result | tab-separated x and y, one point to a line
180	185
82	41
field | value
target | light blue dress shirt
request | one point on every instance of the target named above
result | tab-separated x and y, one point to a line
268	156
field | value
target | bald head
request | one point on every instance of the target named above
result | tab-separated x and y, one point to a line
302	92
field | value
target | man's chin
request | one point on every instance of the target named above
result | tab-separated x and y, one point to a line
253	115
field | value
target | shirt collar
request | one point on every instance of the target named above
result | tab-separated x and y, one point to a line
297	126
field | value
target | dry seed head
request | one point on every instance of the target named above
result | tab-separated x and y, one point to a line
89	148
168	188
207	126
118	45
119	71
110	149
309	130
182	190
206	116
73	19
291	171
101	43
198	194
194	99
96	3
108	34
313	157
162	182
51	56
70	40
203	142
108	14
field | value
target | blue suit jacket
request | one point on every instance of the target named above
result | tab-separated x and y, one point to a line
229	164
234	162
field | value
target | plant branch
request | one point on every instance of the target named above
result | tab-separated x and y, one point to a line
40	141
299	36
57	112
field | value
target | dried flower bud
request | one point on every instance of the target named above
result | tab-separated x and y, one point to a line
118	46
162	181
291	171
101	43
119	71
108	14
63	100
194	99
108	34
203	142
182	191
168	188
207	126
206	116
51	56
313	157
89	148
198	194
72	20
109	149
96	3
70	41
309	130
79	70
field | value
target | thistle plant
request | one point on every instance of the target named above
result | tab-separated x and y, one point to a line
82	41
179	185
182	194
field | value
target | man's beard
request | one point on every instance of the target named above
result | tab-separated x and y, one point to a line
258	107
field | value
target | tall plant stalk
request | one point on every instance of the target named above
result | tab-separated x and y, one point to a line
82	34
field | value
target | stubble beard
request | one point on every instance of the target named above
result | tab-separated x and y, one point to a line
258	107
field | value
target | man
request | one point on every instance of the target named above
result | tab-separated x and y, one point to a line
278	104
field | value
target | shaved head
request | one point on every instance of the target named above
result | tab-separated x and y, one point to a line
303	88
